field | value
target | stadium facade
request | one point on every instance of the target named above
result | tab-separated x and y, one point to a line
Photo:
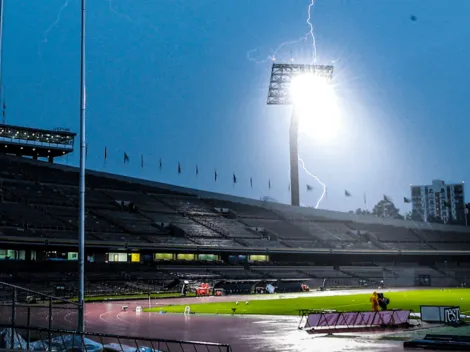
149	236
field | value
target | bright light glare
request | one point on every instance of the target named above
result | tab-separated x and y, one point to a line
316	106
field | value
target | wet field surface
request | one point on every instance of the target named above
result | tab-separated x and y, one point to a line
243	333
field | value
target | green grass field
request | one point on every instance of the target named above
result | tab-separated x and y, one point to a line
355	302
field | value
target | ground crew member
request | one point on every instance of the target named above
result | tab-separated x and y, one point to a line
374	300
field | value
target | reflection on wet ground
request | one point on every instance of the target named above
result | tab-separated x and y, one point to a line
243	333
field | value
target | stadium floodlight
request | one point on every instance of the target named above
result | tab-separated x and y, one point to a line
297	84
284	76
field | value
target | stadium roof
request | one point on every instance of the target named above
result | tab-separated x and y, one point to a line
26	141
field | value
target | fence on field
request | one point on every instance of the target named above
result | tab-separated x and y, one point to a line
30	319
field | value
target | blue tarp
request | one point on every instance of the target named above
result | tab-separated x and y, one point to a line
65	343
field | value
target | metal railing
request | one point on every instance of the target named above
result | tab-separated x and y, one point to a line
27	322
18	303
44	339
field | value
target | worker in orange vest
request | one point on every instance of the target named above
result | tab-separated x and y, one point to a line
374	300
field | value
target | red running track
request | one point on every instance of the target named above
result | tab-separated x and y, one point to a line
243	333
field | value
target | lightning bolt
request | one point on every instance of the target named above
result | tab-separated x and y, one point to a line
46	35
56	22
44	41
316	179
311	32
250	54
127	17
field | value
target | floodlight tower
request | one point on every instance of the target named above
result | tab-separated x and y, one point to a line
280	94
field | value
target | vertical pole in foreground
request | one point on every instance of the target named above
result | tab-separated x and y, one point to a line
1	57
49	333
294	159
81	239
13	318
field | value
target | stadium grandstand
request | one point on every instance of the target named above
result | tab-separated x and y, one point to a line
143	236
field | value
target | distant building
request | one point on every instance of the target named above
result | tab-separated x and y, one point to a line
439	202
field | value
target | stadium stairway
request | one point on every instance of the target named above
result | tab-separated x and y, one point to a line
110	220
67	225
179	232
349	274
422	238
391	272
211	226
448	274
204	222
370	237
285	244
298	228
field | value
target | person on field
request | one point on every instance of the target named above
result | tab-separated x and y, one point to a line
383	301
374	300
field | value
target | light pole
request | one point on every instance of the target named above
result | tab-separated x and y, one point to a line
1	57
81	234
294	158
280	94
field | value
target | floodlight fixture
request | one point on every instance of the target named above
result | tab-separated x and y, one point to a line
282	76
281	93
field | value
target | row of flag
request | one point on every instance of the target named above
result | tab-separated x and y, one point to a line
4	113
126	160
385	198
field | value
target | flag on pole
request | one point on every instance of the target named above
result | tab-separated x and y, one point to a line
179	168
309	188
215	176
105	153
347	194
161	164
4	112
251	182
197	170
269	184
234	178
126	158
142	161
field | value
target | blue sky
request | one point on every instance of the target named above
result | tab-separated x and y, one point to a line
171	79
